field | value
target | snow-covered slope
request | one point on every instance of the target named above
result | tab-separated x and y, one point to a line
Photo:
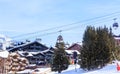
109	69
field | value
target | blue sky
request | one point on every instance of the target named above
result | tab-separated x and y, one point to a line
27	16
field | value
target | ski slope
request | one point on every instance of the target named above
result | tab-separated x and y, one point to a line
109	69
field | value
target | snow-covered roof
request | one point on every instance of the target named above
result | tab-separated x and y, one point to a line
74	46
48	50
22	53
27	44
29	53
71	51
4	54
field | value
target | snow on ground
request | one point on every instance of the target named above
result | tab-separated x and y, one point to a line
71	70
109	69
35	71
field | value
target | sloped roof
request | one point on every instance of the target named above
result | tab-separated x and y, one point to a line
28	44
29	53
22	53
71	51
75	46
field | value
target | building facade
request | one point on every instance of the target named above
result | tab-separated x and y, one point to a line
33	51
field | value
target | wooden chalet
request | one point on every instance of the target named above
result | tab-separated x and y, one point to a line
75	46
33	51
34	46
49	55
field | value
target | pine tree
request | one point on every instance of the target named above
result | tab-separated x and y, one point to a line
60	60
98	45
87	53
116	53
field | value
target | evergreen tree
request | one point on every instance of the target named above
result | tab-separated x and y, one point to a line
87	53
98	45
60	59
104	46
116	53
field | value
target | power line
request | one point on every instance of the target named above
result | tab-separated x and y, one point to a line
66	25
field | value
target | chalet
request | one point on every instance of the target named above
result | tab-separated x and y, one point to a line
33	51
34	46
73	51
33	57
75	46
48	55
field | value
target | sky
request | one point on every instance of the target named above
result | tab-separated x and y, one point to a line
45	18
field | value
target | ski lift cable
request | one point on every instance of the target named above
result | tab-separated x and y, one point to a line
77	26
29	33
63	30
87	20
